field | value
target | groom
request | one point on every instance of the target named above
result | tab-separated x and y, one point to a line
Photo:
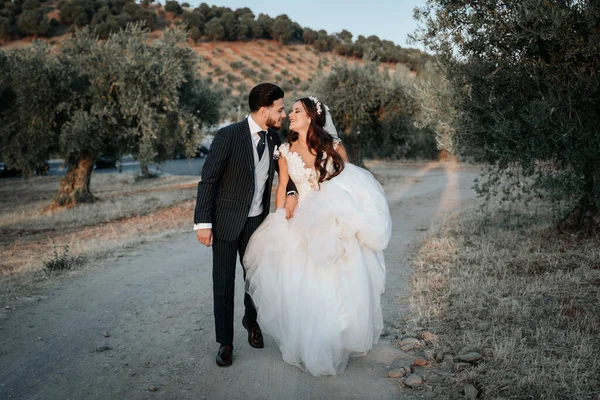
233	199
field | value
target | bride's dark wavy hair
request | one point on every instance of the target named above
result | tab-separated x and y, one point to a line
319	141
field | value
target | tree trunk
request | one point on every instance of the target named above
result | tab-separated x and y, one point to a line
353	149
585	217
144	170
75	186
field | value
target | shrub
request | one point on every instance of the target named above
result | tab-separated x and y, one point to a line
248	72
61	262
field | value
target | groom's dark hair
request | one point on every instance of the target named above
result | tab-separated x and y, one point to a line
264	95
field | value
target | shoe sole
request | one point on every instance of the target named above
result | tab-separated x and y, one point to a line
224	365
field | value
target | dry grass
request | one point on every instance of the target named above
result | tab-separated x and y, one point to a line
127	212
510	283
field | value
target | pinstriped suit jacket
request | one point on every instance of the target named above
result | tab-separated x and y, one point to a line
226	187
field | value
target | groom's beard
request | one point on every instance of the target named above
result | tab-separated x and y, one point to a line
271	123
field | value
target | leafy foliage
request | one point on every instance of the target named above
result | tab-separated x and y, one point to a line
62	261
122	95
27	17
30	88
107	16
374	112
528	75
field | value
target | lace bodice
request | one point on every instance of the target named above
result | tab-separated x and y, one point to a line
305	177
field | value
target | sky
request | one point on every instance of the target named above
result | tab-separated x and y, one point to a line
387	19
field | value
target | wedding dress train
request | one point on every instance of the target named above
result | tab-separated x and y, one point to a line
317	278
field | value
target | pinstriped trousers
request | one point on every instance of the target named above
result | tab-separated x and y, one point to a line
224	262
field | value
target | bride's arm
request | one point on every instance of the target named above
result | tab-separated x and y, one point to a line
284	177
342	151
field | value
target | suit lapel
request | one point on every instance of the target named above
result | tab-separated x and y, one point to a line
247	145
271	147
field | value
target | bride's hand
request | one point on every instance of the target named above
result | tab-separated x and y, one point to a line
291	202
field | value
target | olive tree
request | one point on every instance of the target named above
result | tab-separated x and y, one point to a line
30	90
375	112
122	95
529	75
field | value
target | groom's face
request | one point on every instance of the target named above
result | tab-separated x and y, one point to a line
275	114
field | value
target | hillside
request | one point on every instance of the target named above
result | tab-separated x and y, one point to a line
232	67
241	64
236	50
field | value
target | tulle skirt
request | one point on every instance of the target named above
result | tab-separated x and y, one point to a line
317	279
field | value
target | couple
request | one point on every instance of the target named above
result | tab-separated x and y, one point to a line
314	270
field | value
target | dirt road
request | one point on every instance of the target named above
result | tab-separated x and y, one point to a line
141	326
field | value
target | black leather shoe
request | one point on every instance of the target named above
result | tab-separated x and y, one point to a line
225	355
255	337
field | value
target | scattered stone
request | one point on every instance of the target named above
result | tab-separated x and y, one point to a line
429	395
153	389
423	372
408	344
438	390
397	373
103	348
439	357
434	378
105	334
421	362
428	337
470	357
487	352
413	381
39	338
461	366
468	349
7	307
470	392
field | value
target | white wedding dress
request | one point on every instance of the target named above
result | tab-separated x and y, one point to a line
317	279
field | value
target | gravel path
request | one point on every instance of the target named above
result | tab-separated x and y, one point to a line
141	327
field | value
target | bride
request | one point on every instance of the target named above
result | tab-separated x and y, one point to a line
316	279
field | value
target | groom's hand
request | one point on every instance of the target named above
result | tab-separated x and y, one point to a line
205	236
290	206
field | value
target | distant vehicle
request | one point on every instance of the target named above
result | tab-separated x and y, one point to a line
201	149
204	145
104	161
42	169
7	172
201	152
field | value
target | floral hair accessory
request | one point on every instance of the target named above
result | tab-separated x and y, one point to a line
317	103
